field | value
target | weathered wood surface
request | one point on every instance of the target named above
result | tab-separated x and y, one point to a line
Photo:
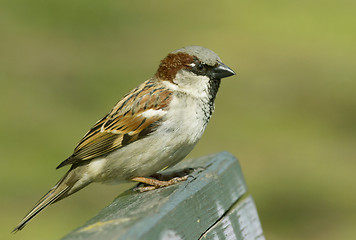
212	204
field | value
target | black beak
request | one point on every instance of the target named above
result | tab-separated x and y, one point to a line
221	71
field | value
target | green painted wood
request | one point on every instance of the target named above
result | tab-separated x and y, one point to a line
240	222
189	210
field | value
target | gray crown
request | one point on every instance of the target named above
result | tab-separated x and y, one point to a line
203	54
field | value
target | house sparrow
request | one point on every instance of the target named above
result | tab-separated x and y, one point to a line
153	127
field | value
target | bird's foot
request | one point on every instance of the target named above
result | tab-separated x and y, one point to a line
154	183
159	180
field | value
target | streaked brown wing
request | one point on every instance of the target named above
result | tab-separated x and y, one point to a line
124	124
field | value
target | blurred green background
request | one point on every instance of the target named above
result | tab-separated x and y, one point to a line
289	115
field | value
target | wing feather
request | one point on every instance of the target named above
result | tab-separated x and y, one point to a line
125	123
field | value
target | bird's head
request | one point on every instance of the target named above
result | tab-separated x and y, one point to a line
193	69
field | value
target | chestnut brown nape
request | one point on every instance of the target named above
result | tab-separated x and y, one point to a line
171	64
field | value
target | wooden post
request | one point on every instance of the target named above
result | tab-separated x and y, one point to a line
212	204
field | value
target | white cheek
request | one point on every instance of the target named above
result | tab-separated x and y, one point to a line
192	84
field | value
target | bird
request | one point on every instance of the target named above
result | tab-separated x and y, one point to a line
151	128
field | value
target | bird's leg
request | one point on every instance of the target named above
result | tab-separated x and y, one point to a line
154	183
173	174
159	180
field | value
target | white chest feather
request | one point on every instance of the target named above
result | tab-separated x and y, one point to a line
186	118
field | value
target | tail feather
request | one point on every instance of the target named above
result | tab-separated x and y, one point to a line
56	193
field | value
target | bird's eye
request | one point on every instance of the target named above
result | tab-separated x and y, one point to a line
200	67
